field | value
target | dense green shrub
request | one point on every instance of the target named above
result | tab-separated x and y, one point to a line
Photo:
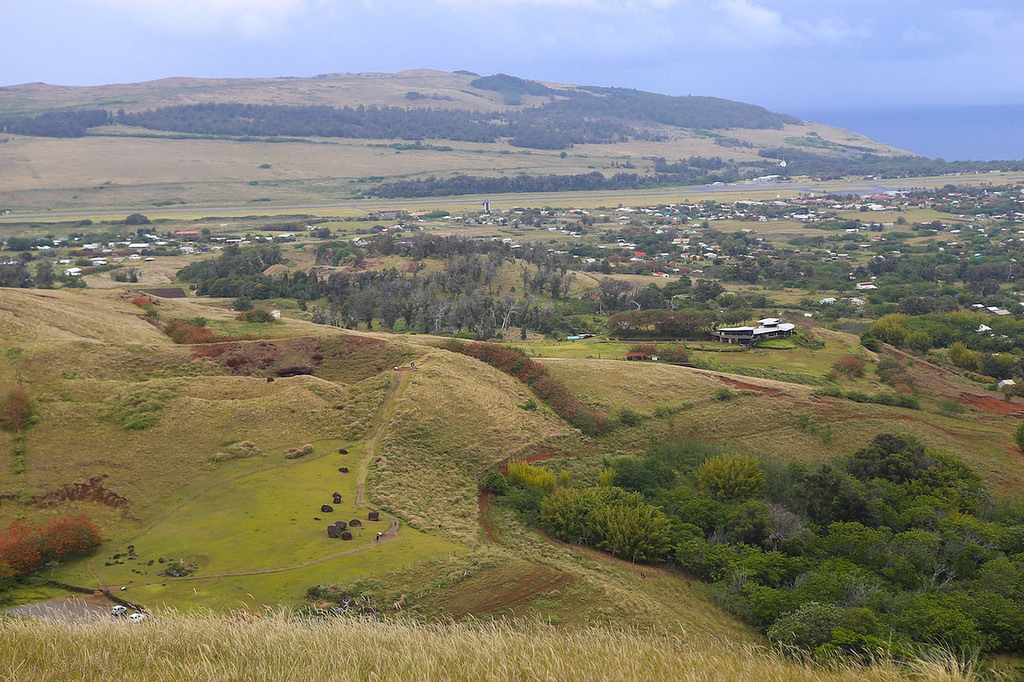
731	477
495	482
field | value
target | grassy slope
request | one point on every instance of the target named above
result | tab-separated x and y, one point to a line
424	439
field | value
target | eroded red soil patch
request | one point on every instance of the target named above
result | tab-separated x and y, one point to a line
484	509
743	386
991	404
87	491
527	586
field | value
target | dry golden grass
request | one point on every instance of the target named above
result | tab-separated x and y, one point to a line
455	419
274	646
34	318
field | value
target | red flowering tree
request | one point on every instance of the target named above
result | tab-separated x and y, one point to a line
25	548
15	409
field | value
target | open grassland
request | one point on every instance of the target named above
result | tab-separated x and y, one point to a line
276	646
331	200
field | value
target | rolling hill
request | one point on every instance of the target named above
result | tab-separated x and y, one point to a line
291	140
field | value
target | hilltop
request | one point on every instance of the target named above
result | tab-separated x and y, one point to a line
337	136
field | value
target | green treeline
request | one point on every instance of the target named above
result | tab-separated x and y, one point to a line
433	186
894	547
982	343
830	166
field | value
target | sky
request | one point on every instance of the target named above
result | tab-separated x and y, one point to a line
791	56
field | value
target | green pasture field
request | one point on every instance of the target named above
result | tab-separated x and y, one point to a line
256	535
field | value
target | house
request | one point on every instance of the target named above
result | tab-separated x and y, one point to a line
1006	382
828	300
73	272
862	286
637	355
768	328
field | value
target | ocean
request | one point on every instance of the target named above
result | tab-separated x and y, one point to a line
954	133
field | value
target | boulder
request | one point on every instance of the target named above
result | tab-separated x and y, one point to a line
374	515
333	531
337	498
346	535
326	508
355	522
341	524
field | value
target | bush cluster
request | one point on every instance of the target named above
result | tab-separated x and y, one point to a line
25	548
525	474
892	548
666	352
193	331
15	409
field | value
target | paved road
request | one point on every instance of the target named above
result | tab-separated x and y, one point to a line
69	608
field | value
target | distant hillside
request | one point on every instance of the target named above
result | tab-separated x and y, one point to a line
413	133
570	116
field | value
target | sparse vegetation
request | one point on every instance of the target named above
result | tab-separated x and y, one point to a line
138	409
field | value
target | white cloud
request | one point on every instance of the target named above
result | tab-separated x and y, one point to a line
249	18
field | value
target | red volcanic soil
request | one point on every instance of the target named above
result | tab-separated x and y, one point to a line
743	386
991	404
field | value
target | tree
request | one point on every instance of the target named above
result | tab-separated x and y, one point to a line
810	626
637	533
704	290
137	219
1018	435
731	477
45	276
15	409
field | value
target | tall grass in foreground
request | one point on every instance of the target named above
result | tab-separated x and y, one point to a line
276	647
